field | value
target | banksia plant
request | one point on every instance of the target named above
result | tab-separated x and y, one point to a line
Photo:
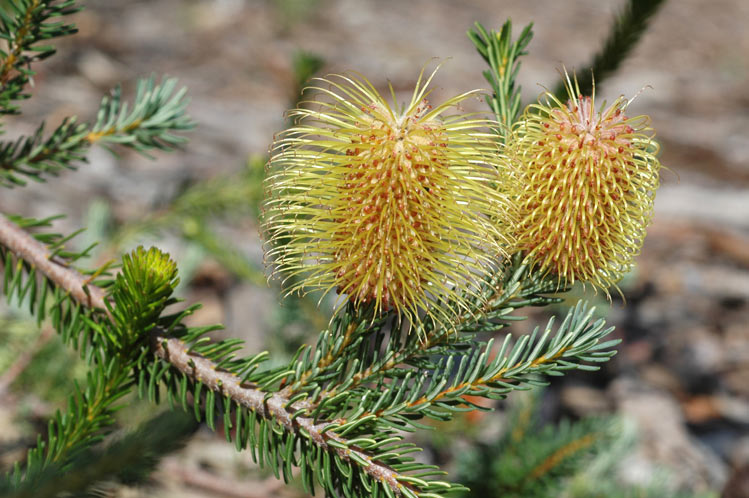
588	178
414	213
399	208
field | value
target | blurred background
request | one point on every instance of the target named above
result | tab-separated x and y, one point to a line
679	386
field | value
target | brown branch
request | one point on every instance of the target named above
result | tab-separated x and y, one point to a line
275	407
37	255
561	454
94	136
195	366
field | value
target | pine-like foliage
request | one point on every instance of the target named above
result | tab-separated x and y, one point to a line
340	411
502	53
128	459
572	458
531	460
24	24
158	111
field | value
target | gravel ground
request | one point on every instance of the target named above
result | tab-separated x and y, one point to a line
683	369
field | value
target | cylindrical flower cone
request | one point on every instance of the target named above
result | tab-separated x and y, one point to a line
404	208
587	182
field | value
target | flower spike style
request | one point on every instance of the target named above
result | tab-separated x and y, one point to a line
406	209
587	180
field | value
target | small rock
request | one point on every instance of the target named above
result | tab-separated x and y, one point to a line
99	69
584	400
662	378
664	440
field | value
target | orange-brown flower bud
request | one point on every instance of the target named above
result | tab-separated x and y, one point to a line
399	208
588	179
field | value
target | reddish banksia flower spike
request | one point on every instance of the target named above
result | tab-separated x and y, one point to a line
407	209
587	180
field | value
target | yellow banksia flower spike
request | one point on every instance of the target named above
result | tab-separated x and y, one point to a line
404	208
587	180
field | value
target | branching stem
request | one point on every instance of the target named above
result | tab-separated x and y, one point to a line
433	339
17	45
274	407
196	367
95	136
36	254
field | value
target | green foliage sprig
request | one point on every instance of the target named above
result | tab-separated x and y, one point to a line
157	112
502	53
109	342
129	459
534	460
23	25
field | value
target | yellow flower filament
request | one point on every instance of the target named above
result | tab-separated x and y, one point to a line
406	209
588	180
